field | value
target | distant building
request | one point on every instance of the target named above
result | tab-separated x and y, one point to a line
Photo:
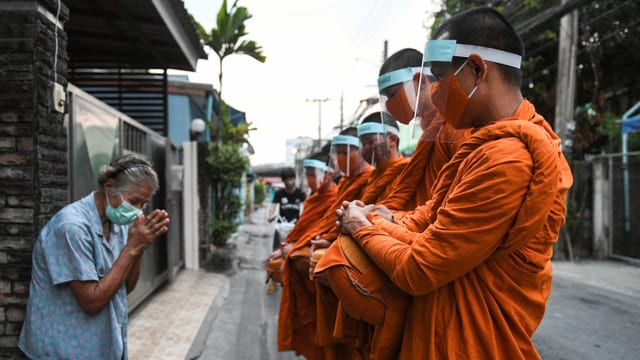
297	149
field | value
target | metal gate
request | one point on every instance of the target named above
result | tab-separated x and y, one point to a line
98	134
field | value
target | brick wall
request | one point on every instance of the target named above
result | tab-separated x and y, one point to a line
33	148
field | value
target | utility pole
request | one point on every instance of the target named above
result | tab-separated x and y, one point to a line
565	99
319	101
566	79
385	51
341	110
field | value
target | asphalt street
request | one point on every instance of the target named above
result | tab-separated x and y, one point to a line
588	323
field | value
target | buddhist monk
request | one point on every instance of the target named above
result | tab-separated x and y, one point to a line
319	177
297	317
378	136
365	292
476	258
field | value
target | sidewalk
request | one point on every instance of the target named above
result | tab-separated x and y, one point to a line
610	275
165	327
170	324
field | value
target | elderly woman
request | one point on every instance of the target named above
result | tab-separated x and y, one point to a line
85	260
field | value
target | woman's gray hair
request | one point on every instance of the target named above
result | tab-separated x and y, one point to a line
128	172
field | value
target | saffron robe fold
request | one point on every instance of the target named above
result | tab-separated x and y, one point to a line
297	315
349	188
378	187
480	272
316	205
437	145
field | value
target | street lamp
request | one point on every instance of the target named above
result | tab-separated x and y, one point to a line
196	128
319	101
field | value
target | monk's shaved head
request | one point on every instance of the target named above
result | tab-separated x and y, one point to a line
321	156
402	59
487	27
377	117
351	131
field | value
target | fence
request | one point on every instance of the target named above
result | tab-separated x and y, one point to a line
604	205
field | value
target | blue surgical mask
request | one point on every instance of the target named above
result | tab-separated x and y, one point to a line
124	214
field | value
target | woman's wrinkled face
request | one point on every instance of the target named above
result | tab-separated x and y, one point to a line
139	198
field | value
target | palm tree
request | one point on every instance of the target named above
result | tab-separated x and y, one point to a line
224	39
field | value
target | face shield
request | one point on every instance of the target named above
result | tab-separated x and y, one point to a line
374	146
345	151
446	93
398	91
404	93
314	171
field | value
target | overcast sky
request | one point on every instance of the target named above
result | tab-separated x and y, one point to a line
314	49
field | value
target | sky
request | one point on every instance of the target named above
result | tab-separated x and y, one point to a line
315	49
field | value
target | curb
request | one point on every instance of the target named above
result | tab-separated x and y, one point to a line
199	343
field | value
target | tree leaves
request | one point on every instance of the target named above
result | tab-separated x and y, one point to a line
224	39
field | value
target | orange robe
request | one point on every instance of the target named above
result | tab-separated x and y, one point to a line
480	269
297	316
436	147
365	292
378	186
314	207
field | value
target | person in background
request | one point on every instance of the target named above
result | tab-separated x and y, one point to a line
85	261
287	203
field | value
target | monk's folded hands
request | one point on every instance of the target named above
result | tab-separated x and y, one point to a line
352	216
383	212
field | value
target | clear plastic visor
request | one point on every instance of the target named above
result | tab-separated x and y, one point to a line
373	141
398	91
405	94
345	151
449	100
314	171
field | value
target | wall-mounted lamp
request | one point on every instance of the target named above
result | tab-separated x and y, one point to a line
196	128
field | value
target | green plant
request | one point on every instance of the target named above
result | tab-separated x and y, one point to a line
226	166
259	192
225	161
224	39
221	232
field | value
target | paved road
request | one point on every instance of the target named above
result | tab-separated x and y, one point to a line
589	323
582	321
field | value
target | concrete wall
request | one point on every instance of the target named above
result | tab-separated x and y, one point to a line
33	148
